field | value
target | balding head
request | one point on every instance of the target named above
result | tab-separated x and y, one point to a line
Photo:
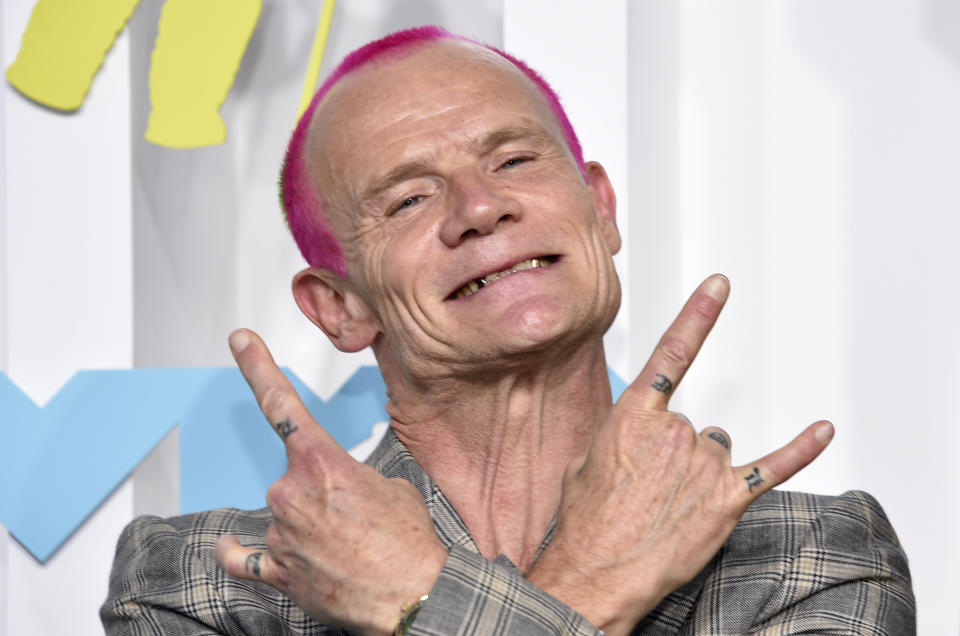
305	203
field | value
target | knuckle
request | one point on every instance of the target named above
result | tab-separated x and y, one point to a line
273	538
675	351
681	420
274	399
703	308
278	497
680	431
310	462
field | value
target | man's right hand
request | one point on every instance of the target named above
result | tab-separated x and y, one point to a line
348	545
652	501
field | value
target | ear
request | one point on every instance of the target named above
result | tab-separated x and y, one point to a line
605	203
331	304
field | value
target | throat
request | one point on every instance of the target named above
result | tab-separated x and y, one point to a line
513	521
508	496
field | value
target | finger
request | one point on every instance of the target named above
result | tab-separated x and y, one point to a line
718	436
680	344
246	563
782	464
277	398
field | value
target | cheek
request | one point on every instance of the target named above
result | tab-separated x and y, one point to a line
393	257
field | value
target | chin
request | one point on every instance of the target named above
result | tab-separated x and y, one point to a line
536	335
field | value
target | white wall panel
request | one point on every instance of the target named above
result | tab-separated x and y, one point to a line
815	149
63	595
68	225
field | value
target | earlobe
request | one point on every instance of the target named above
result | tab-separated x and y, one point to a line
329	302
605	203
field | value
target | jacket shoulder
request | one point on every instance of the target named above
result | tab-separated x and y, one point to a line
800	562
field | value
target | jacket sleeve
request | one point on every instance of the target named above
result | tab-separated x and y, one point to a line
165	581
475	596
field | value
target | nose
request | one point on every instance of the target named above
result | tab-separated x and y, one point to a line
477	209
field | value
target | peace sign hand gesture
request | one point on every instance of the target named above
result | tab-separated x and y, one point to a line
652	501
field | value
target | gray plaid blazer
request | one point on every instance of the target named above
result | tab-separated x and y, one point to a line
795	564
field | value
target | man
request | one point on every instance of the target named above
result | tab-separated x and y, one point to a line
438	193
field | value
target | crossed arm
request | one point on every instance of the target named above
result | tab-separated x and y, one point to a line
642	513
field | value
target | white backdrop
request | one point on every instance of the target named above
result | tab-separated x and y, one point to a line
809	149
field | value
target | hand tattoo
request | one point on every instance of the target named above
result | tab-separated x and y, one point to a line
663	384
719	438
286	428
754	479
253	563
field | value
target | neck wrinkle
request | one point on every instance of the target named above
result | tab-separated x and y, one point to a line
497	449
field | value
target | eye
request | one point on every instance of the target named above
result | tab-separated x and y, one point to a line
408	202
513	162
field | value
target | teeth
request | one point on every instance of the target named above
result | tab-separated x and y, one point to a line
476	285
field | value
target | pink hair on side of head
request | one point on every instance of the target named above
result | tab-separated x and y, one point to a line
302	204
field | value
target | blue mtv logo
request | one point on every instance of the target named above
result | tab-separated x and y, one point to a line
61	461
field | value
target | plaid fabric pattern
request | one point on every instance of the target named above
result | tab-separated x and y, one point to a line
795	564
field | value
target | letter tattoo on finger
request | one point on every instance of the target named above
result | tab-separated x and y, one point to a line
754	479
286	428
663	384
253	563
719	438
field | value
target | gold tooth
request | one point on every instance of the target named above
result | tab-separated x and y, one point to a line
475	285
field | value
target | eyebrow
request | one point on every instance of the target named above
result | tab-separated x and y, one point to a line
505	135
421	165
398	174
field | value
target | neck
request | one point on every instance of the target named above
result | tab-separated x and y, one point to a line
498	446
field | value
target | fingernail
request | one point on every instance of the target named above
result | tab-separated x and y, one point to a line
239	340
825	432
717	287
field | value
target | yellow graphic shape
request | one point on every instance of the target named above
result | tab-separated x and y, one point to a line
316	56
195	59
64	46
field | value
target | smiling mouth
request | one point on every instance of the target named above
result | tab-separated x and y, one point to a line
476	285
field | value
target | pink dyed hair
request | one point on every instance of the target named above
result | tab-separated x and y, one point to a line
302	204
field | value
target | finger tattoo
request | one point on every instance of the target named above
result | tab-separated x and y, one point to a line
286	428
253	563
719	438
663	384
754	479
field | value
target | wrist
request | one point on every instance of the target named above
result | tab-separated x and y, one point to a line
410	590
408	614
610	605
